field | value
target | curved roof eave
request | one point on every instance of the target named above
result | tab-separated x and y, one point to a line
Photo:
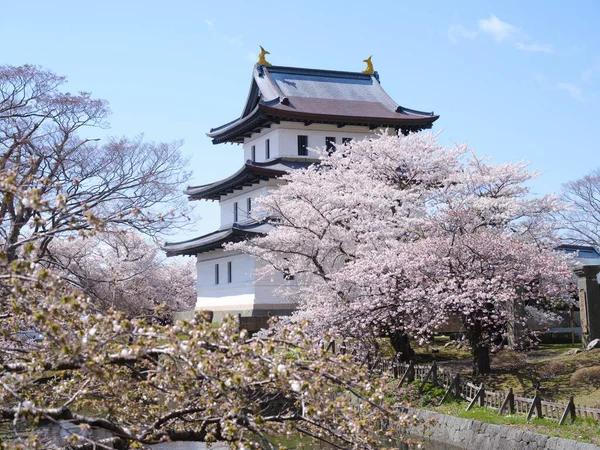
424	119
228	126
215	240
251	172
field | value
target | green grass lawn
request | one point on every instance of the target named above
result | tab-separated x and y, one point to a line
434	351
551	368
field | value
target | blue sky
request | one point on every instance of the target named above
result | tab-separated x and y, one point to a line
515	80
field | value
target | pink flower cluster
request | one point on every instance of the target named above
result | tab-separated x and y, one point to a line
397	233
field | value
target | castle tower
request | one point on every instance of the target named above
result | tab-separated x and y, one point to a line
288	111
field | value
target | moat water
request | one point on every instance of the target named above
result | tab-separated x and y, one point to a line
54	434
201	446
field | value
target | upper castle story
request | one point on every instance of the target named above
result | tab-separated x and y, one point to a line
290	110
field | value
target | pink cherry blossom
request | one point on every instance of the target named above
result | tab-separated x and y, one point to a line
399	234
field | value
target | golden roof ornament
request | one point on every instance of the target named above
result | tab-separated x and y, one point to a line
369	68
261	57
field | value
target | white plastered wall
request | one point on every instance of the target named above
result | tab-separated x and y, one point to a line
266	290
258	140
245	292
283	138
235	295
241	197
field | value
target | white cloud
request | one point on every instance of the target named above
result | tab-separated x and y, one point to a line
210	23
534	47
253	57
234	40
573	90
549	84
456	32
498	29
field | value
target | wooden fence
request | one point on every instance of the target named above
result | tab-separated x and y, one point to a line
504	403
478	395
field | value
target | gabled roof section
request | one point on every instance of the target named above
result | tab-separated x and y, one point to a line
250	173
318	96
233	233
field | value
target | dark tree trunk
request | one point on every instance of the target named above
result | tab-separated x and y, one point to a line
480	351
481	360
401	344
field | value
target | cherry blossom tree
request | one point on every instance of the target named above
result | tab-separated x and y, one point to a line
48	147
499	242
145	383
359	200
63	362
398	234
487	279
126	272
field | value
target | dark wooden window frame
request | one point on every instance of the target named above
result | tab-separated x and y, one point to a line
302	145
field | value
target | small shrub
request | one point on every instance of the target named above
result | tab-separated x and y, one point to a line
509	360
588	377
552	369
430	396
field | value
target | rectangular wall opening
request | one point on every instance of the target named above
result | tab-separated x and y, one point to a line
302	145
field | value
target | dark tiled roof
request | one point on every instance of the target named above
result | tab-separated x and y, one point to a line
215	240
318	96
250	173
584	254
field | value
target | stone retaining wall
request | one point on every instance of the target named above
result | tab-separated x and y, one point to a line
472	434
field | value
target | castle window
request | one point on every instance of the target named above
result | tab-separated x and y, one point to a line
253	153
330	145
216	274
248	206
235	212
302	145
346	140
229	272
267	149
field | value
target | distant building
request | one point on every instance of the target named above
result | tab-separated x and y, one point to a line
585	255
288	111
